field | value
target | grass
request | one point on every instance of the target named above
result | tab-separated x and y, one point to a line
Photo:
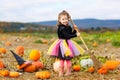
89	38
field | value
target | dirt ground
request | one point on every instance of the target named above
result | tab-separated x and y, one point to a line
102	50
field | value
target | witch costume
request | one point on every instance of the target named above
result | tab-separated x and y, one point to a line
64	48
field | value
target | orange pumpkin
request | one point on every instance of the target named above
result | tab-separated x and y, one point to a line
20	50
14	74
95	44
38	64
30	68
4	38
4	73
91	69
2	65
44	41
8	43
76	67
34	55
111	65
52	40
3	50
102	70
42	75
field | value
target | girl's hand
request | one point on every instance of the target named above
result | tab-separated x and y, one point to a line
78	34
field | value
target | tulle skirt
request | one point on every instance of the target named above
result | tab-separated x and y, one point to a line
65	49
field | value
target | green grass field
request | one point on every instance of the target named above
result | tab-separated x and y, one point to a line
89	38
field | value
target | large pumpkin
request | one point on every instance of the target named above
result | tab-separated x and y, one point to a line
14	74
38	64
34	55
42	75
30	68
20	50
111	65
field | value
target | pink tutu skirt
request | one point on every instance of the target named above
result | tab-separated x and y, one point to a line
65	48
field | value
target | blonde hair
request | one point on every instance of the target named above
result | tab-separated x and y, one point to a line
60	14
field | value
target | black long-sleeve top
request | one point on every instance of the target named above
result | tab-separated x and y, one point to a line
65	32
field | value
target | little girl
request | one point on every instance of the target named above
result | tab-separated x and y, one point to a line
64	48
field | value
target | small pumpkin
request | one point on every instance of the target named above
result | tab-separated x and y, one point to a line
38	64
34	55
42	75
91	69
3	50
8	43
14	74
44	41
20	50
4	73
95	44
30	68
102	70
2	65
52	40
76	67
107	40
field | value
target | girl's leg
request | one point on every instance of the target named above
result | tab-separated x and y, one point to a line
68	69
61	71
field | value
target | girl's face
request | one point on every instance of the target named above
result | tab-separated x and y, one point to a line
64	20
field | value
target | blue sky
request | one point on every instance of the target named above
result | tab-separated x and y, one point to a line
45	10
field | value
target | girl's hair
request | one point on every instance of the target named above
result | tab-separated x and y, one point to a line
60	14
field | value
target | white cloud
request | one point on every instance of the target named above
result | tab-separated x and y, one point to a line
41	10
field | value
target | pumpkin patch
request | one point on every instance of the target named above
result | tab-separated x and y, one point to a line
44	62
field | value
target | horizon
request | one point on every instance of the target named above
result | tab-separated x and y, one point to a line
56	20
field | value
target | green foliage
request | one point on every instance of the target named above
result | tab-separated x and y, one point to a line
102	59
38	41
116	43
